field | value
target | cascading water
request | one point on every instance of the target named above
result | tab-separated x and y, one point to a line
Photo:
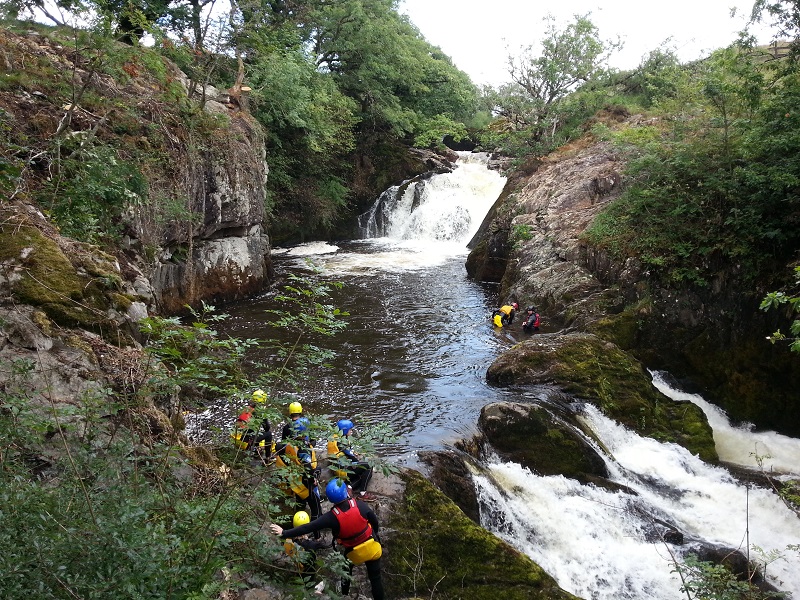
600	544
448	207
418	333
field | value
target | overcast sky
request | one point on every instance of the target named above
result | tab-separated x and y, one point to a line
478	34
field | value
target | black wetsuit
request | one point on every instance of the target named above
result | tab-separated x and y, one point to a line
329	521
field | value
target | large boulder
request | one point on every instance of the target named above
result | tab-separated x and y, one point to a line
535	437
594	370
434	548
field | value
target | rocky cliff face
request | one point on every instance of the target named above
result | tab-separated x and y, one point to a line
223	253
713	337
69	310
196	234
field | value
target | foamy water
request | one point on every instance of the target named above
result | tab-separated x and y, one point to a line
596	543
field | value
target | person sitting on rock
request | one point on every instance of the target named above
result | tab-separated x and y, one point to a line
532	321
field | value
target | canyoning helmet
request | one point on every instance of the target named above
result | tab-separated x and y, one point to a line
530	309
259	396
515	305
295	408
344	425
300	426
300	518
336	490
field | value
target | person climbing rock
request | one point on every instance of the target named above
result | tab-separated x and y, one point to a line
297	461
348	465
504	315
251	429
305	562
355	528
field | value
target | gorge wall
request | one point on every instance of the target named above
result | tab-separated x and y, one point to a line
711	338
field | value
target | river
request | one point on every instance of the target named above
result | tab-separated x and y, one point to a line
414	356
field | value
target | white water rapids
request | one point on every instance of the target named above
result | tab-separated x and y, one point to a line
593	541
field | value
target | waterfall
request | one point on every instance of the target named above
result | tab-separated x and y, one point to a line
599	544
446	207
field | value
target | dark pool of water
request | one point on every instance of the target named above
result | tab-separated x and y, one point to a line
414	354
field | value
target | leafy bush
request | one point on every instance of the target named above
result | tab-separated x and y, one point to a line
93	189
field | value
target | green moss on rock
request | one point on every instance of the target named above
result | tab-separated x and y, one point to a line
38	273
435	547
531	436
599	372
623	328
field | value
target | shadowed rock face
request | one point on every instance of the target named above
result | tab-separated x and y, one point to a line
535	438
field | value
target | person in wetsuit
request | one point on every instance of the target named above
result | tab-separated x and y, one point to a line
355	528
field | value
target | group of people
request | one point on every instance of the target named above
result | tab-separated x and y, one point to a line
504	316
352	522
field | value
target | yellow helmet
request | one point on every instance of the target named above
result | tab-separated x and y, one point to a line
300	518
295	408
260	396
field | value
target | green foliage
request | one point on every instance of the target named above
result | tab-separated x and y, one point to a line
718	184
306	313
95	498
778	300
432	131
534	102
709	581
195	357
94	188
520	234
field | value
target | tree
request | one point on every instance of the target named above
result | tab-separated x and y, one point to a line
785	16
568	58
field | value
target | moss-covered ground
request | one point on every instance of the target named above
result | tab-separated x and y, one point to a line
438	552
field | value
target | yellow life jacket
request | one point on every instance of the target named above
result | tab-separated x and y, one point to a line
506	309
335	453
295	483
369	550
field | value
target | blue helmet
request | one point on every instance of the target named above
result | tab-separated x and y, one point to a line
336	490
344	425
300	426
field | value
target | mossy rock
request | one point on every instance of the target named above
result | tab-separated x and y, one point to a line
624	328
599	372
437	551
40	274
532	436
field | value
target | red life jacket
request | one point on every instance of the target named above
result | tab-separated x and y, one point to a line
242	419
537	320
354	529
